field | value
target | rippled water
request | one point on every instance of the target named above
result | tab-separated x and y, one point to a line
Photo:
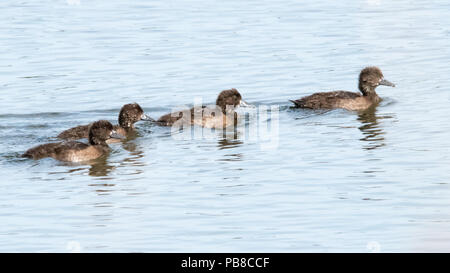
334	181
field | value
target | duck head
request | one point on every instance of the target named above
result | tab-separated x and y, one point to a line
370	78
130	114
230	98
100	131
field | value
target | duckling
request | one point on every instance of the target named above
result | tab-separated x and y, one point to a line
220	116
128	115
369	79
73	151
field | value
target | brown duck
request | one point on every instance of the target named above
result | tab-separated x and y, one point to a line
128	116
73	151
369	79
220	116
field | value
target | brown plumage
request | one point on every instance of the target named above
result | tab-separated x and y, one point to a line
81	131
99	132
228	100
222	115
369	79
128	116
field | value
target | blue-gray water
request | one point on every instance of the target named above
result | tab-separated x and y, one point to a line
336	181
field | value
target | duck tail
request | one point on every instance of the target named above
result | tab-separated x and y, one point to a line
27	154
41	151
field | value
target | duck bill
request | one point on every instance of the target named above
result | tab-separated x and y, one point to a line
116	135
146	118
387	83
242	103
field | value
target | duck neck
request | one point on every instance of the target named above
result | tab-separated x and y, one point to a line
127	126
226	110
222	108
369	92
95	141
125	122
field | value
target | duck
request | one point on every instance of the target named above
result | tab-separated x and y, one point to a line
221	115
369	79
74	151
129	114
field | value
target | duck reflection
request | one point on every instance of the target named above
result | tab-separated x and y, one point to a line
226	143
100	167
230	140
101	170
371	128
135	158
